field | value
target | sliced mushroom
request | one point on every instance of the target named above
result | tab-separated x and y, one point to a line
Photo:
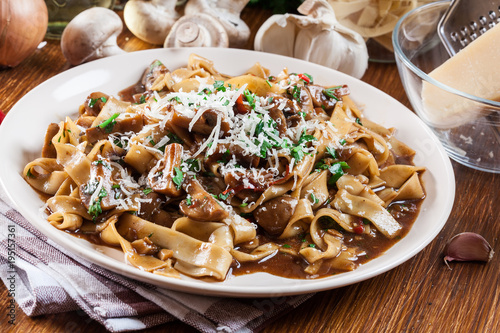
48	149
197	30
161	177
200	205
228	13
122	125
94	103
150	20
205	123
91	35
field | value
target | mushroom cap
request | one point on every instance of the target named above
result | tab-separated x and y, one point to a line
87	32
197	30
228	13
150	20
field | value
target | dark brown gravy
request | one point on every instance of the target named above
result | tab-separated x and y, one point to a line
289	266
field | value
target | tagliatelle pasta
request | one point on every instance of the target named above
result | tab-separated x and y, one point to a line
191	171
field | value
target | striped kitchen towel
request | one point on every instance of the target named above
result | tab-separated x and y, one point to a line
45	278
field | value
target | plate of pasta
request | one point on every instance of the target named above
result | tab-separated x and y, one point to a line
225	172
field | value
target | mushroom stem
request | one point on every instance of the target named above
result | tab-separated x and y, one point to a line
108	49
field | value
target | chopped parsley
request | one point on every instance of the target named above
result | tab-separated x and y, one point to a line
174	138
193	164
297	153
321	165
93	101
178	178
29	174
306	138
296	93
95	208
314	199
219	86
332	152
155	63
337	170
223	196
118	143
175	98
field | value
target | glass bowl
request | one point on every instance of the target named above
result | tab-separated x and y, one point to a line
471	135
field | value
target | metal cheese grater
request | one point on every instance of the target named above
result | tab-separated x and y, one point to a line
465	21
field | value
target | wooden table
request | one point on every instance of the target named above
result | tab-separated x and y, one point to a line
421	295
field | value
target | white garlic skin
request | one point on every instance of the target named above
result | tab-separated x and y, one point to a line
317	37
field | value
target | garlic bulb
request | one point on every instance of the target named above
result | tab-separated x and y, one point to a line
316	37
23	24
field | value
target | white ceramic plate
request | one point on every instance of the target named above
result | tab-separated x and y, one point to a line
23	130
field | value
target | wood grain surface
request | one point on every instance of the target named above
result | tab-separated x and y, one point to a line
421	295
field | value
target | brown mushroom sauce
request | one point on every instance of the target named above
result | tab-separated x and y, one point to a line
283	264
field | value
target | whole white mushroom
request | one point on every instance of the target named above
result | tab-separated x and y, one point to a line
150	20
91	35
228	13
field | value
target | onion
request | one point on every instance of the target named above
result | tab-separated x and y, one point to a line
23	24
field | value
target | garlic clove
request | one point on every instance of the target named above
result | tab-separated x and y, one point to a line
468	246
275	35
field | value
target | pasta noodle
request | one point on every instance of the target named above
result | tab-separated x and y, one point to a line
199	173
